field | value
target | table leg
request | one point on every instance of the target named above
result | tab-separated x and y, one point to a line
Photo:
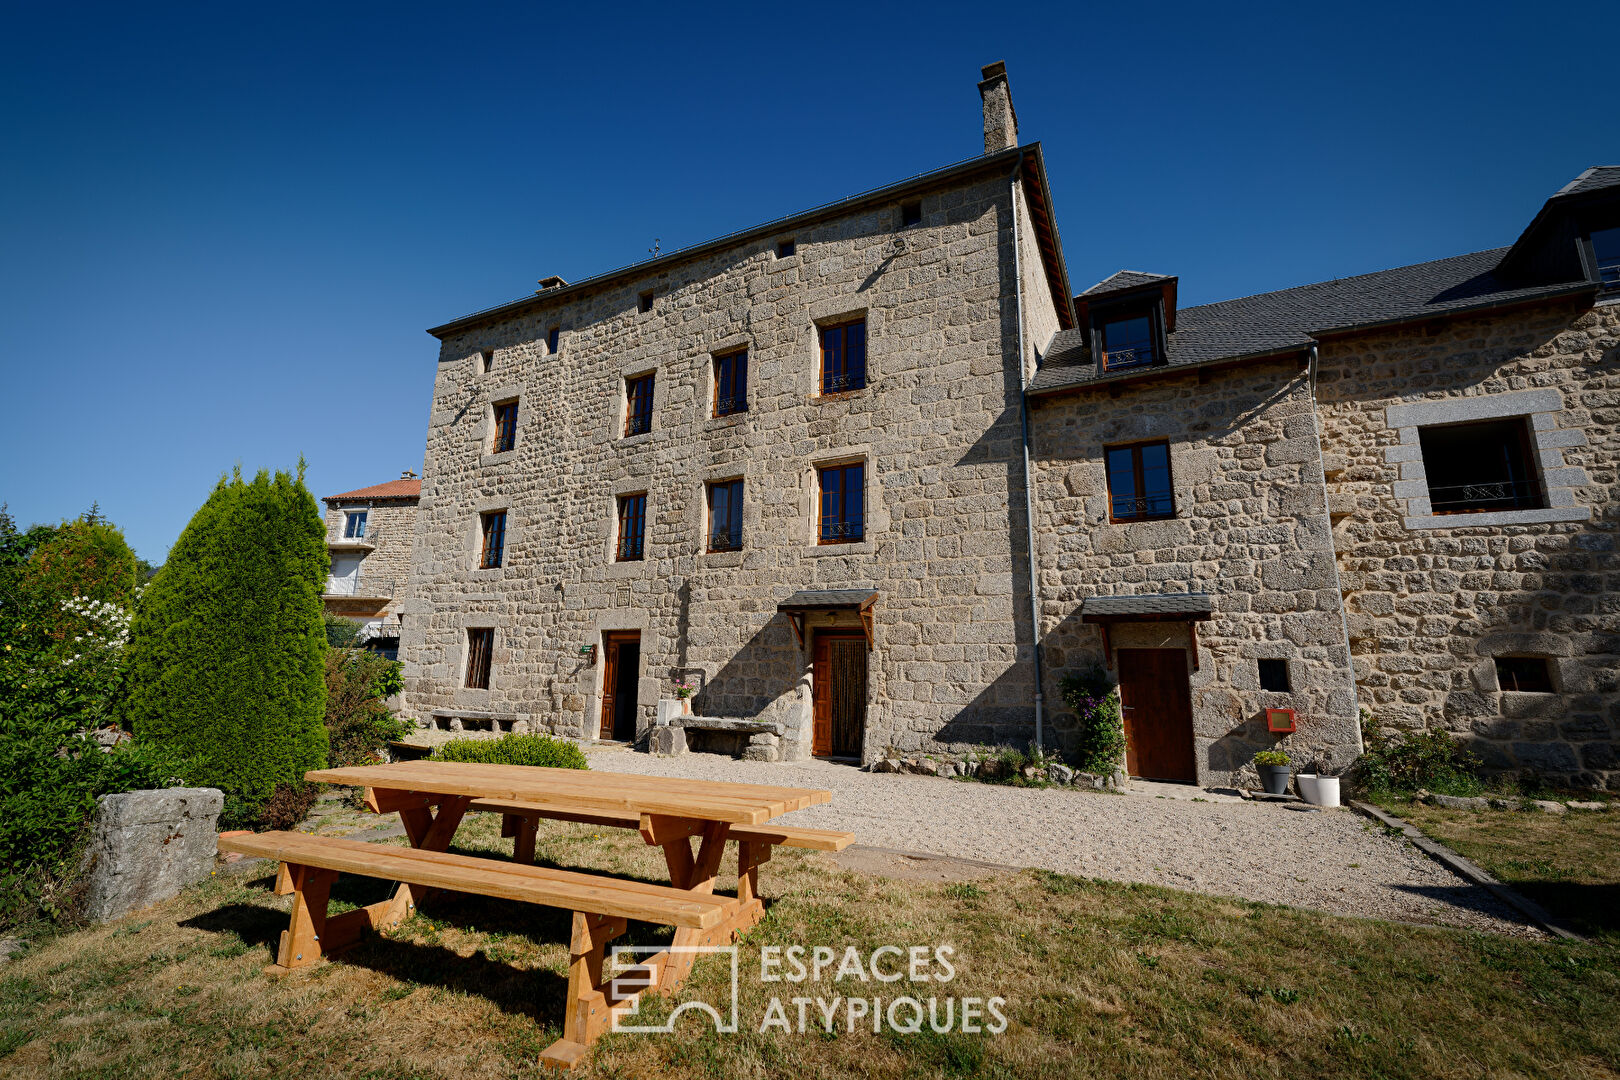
430	832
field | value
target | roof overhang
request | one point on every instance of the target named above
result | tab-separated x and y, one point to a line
1003	161
806	601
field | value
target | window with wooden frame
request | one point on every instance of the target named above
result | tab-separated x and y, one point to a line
1139	482
731	383
632	527
725	515
638	404
553	339
842	519
1128	340
1524	674
480	654
493	550
1480	467
843	357
1606	257
354	525
505	426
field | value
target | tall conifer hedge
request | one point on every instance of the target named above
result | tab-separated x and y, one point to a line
228	645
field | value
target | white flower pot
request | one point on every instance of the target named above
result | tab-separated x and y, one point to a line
1327	791
1307	786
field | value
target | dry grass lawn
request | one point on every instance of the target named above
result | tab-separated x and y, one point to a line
1568	863
1100	979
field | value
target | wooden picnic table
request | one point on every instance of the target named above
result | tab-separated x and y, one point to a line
431	797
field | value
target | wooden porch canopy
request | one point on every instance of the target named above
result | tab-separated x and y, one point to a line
802	603
1190	608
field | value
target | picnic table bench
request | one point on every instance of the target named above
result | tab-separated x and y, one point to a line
431	798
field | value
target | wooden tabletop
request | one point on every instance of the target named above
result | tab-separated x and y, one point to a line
581	789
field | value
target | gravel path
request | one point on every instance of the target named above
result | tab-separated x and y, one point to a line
1334	861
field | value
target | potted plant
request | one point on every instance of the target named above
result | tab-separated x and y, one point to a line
684	690
1327	790
1273	767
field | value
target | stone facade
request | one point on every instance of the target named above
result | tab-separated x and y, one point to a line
937	425
1432	600
373	592
1250	529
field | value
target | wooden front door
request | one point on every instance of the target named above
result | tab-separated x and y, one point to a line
839	701
621	674
1157	703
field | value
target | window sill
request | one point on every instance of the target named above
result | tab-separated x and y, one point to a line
840	395
485	460
858	547
1492	519
729	420
351	545
631	568
635	440
490	573
722	559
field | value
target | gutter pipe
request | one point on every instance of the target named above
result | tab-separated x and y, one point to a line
1029	479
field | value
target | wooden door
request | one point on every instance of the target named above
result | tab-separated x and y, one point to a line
621	673
839	695
1157	705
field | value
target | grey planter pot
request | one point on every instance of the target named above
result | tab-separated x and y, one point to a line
1274	778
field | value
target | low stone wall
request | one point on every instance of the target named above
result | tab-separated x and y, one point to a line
148	845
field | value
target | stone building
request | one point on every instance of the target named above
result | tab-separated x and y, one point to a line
369	536
789	467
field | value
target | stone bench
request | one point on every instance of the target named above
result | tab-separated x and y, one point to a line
751	740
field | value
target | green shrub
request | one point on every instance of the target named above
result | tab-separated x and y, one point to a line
340	632
1100	745
1401	763
228	643
542	750
1271	757
358	724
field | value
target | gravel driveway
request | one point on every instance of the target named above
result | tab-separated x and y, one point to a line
1334	861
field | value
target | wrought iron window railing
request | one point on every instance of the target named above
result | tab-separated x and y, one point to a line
369	586
725	541
843	530
638	425
1485	495
630	548
1141	356
843	382
1126	507
727	405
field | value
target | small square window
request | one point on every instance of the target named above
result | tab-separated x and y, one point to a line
910	214
1274	676
638	398
354	525
731	383
488	357
1139	487
632	527
843	357
553	337
493	551
1524	674
785	248
644	301
505	426
1128	342
480	654
1480	467
725	515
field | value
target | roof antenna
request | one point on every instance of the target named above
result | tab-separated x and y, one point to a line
653	251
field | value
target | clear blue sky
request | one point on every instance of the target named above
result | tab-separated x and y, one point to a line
225	227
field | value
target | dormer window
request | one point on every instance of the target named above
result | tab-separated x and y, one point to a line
1606	253
1128	341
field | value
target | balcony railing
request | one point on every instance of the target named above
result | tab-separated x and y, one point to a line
369	586
1485	495
1129	507
725	541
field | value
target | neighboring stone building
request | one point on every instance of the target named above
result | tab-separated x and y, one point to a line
369	535
790	465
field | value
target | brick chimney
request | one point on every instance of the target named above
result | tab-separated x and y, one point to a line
1000	121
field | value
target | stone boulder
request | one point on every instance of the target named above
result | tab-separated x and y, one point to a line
1457	802
667	741
145	846
1059	774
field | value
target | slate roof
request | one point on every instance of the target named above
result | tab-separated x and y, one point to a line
1124	279
827	598
1115	607
1596	178
1291	318
394	489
